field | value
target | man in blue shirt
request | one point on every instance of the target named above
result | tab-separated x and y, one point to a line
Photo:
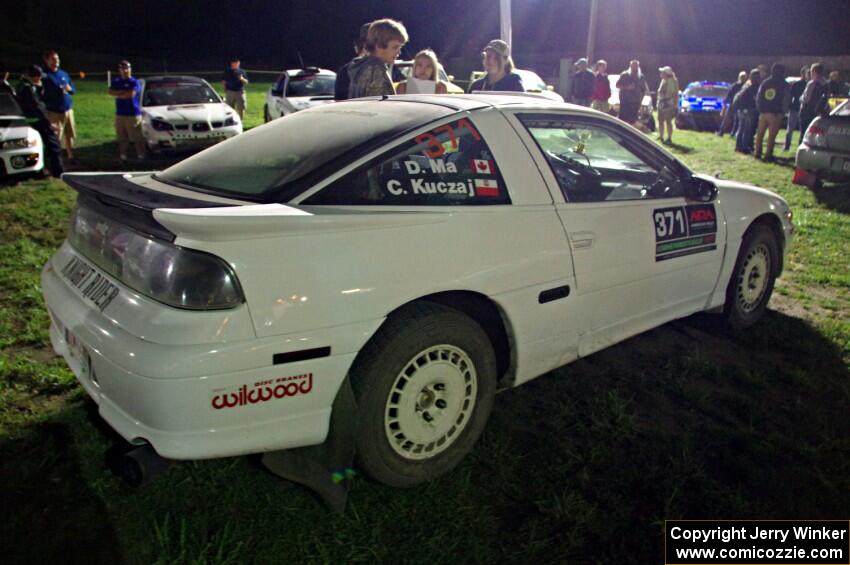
128	110
58	89
234	82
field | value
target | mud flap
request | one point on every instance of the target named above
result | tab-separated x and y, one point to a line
326	468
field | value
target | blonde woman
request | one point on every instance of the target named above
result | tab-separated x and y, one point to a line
425	66
668	95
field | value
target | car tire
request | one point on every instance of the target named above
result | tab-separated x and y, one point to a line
266	117
751	283
425	386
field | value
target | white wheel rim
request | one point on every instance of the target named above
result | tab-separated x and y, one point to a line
752	283
430	402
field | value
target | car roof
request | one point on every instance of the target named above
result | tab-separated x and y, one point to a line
181	78
709	83
309	71
470	102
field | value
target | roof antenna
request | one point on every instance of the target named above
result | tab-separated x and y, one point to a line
300	60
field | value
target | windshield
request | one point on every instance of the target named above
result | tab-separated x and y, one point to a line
175	93
310	85
277	161
8	105
707	91
843	110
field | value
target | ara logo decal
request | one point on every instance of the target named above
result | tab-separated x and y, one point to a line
264	391
702	215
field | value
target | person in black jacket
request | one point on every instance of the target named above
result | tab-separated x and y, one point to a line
30	99
728	120
583	82
814	102
771	100
795	96
342	79
744	106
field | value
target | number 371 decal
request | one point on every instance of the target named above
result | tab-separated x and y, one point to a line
684	230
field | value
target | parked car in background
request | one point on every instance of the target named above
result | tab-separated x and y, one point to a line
401	71
298	89
532	83
645	116
21	150
428	250
824	153
700	104
184	112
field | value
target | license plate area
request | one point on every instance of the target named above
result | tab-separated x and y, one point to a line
94	286
80	360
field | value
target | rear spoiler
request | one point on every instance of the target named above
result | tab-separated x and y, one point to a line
115	196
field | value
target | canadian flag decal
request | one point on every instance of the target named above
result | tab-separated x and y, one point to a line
486	187
482	166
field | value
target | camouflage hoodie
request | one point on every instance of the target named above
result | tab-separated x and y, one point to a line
369	76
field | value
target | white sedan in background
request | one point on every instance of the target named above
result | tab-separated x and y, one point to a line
430	250
298	89
21	150
184	112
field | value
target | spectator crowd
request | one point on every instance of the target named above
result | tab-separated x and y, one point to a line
756	107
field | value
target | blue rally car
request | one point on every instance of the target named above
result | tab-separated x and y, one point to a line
700	105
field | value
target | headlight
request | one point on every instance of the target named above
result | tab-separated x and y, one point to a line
161	125
18	143
178	277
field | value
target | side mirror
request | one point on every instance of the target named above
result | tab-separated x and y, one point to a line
700	190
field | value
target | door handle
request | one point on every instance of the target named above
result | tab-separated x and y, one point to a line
582	239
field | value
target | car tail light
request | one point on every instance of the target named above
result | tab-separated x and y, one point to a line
176	276
815	135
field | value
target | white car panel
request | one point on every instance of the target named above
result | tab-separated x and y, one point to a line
317	276
15	159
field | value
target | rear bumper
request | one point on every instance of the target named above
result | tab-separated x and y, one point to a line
826	163
142	389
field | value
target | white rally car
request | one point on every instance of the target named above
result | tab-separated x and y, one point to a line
299	89
21	150
428	250
181	112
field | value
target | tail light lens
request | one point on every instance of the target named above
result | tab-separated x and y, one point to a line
815	135
173	275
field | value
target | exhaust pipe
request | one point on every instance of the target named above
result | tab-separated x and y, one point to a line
140	466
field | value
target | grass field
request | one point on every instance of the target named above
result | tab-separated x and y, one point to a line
579	466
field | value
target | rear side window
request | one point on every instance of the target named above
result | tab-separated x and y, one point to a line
450	165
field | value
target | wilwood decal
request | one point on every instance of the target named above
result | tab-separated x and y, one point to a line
264	391
684	230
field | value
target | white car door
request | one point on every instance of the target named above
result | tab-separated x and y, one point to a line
643	254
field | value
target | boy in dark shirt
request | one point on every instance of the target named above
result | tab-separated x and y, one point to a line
234	82
795	96
342	80
29	95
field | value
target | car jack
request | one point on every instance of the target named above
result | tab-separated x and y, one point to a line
326	469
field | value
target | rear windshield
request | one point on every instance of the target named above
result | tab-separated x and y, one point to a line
175	93
277	161
310	85
707	91
8	105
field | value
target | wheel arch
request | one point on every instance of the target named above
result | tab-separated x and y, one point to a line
774	224
487	313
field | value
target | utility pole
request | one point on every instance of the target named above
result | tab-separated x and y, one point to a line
505	20
591	31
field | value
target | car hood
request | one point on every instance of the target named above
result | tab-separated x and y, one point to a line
13	127
190	112
729	189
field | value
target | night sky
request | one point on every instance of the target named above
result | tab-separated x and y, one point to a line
270	33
